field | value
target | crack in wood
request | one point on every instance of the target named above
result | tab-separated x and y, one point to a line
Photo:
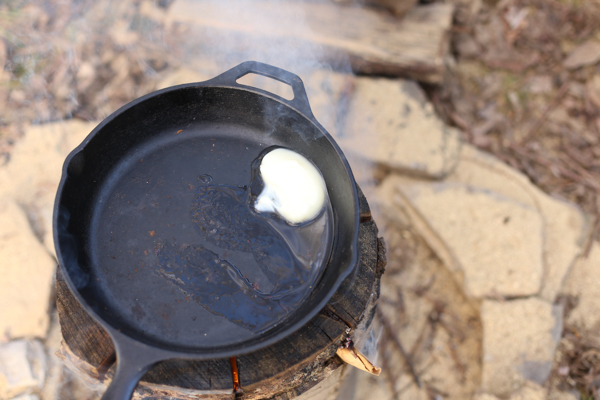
325	333
329	312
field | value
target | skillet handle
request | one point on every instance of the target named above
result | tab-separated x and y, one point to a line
133	361
300	100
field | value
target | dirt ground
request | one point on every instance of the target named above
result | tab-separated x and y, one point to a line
524	86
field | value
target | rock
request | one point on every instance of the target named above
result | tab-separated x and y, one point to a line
492	244
587	53
33	172
565	228
582	283
22	367
40	211
37	159
565	233
389	121
520	337
562	230
27	272
529	391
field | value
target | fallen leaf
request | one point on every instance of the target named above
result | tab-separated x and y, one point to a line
353	357
587	53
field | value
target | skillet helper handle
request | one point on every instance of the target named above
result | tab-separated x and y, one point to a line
300	100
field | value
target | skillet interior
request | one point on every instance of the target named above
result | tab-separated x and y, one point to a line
172	132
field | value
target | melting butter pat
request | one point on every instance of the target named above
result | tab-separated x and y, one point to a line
294	187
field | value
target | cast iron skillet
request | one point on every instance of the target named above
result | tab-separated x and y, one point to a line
125	194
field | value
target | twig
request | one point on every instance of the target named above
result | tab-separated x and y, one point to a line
398	304
403	389
579	168
538	123
578	158
105	365
237	389
422	289
453	353
547	163
396	341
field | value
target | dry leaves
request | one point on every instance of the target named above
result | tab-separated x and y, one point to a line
59	62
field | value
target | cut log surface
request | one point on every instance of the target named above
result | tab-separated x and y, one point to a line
285	370
373	41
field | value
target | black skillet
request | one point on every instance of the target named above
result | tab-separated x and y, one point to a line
124	203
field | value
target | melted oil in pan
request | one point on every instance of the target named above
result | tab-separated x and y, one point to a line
251	268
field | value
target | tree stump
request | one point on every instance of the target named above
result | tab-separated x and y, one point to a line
285	370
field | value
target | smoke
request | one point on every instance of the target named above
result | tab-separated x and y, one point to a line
275	32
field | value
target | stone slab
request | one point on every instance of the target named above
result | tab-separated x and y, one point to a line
389	121
37	158
491	243
32	174
27	272
563	233
565	229
22	367
520	337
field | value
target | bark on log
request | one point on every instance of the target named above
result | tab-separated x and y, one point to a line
283	371
372	41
